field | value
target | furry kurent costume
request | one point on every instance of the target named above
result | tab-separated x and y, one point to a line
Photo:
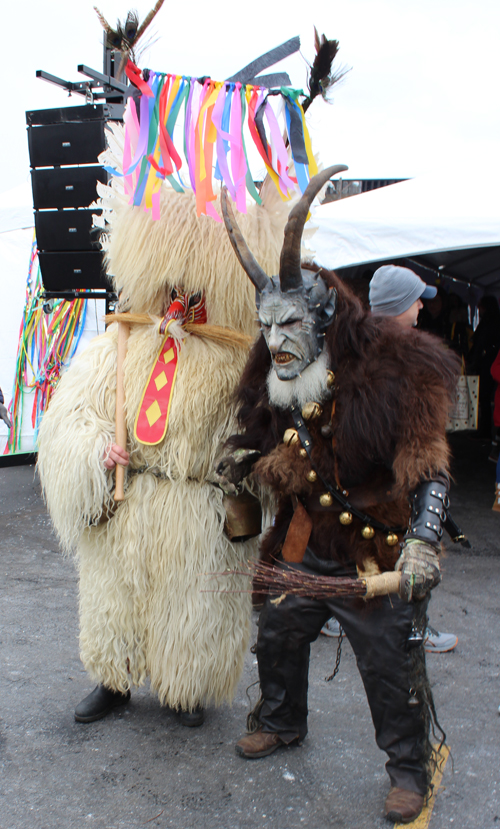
143	612
336	404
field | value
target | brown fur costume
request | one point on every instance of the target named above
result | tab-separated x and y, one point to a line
392	391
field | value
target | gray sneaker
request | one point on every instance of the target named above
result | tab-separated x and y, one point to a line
436	642
331	628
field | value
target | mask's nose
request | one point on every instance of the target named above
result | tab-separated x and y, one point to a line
275	339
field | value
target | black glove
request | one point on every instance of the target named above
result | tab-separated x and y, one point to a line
232	469
419	568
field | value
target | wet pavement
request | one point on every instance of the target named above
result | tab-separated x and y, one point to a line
139	767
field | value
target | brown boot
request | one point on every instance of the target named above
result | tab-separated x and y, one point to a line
402	806
259	744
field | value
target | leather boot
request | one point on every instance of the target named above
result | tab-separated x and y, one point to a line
99	703
194	718
403	806
259	744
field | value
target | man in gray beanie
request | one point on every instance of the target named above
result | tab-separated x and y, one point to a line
398	292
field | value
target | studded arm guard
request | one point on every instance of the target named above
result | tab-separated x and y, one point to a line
429	502
418	562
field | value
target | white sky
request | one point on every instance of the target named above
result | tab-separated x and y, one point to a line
422	94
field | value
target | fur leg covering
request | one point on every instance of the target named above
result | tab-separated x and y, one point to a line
142	606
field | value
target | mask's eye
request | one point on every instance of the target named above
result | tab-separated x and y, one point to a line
193	300
173	294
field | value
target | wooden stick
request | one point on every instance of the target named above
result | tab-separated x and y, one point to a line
120	419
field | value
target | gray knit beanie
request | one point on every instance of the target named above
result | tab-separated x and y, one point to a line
393	290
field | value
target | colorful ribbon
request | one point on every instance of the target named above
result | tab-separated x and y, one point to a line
216	116
47	342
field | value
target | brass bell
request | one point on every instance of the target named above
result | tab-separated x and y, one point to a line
303	453
311	411
311	476
326	430
367	532
290	438
345	518
330	380
326	500
391	539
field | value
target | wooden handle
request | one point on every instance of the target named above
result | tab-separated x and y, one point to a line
382	585
121	423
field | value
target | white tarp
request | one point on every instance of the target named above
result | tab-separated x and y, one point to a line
16	236
423	215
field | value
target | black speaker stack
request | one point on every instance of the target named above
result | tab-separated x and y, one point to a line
64	145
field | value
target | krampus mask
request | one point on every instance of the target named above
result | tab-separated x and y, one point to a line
295	307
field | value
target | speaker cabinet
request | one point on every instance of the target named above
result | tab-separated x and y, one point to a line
61	144
76	269
64	145
66	186
66	230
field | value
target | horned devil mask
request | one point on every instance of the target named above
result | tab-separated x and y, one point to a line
295	307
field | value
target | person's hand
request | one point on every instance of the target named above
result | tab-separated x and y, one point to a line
419	568
230	470
4	415
115	454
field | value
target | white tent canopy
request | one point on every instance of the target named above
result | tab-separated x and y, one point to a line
453	222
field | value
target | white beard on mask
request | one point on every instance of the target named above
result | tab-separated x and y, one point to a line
312	384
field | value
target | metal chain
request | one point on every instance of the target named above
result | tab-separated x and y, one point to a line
339	655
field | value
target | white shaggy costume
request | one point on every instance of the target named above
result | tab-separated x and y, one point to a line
142	609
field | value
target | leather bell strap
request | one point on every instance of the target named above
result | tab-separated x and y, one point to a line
307	443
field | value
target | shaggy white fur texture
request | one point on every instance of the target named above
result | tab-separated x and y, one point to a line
142	609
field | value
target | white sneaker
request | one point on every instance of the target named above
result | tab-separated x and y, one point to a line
331	628
436	642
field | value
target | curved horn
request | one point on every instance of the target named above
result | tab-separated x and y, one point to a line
247	261
290	272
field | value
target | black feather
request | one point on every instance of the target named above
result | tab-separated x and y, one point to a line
321	77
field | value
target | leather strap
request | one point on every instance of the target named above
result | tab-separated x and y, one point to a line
307	443
297	537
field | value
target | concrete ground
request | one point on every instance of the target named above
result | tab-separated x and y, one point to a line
139	767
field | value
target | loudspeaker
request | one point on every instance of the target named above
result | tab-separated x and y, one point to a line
64	144
66	271
66	230
73	143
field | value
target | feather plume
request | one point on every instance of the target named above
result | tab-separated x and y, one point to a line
149	18
127	34
321	78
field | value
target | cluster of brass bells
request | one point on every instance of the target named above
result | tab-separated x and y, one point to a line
312	411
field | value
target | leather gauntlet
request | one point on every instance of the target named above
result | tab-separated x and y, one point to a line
419	568
429	502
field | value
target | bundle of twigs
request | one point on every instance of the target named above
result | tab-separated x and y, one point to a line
289	581
278	580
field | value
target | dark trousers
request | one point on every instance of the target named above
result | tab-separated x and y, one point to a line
378	631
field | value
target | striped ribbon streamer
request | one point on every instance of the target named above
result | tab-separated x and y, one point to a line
212	118
47	342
